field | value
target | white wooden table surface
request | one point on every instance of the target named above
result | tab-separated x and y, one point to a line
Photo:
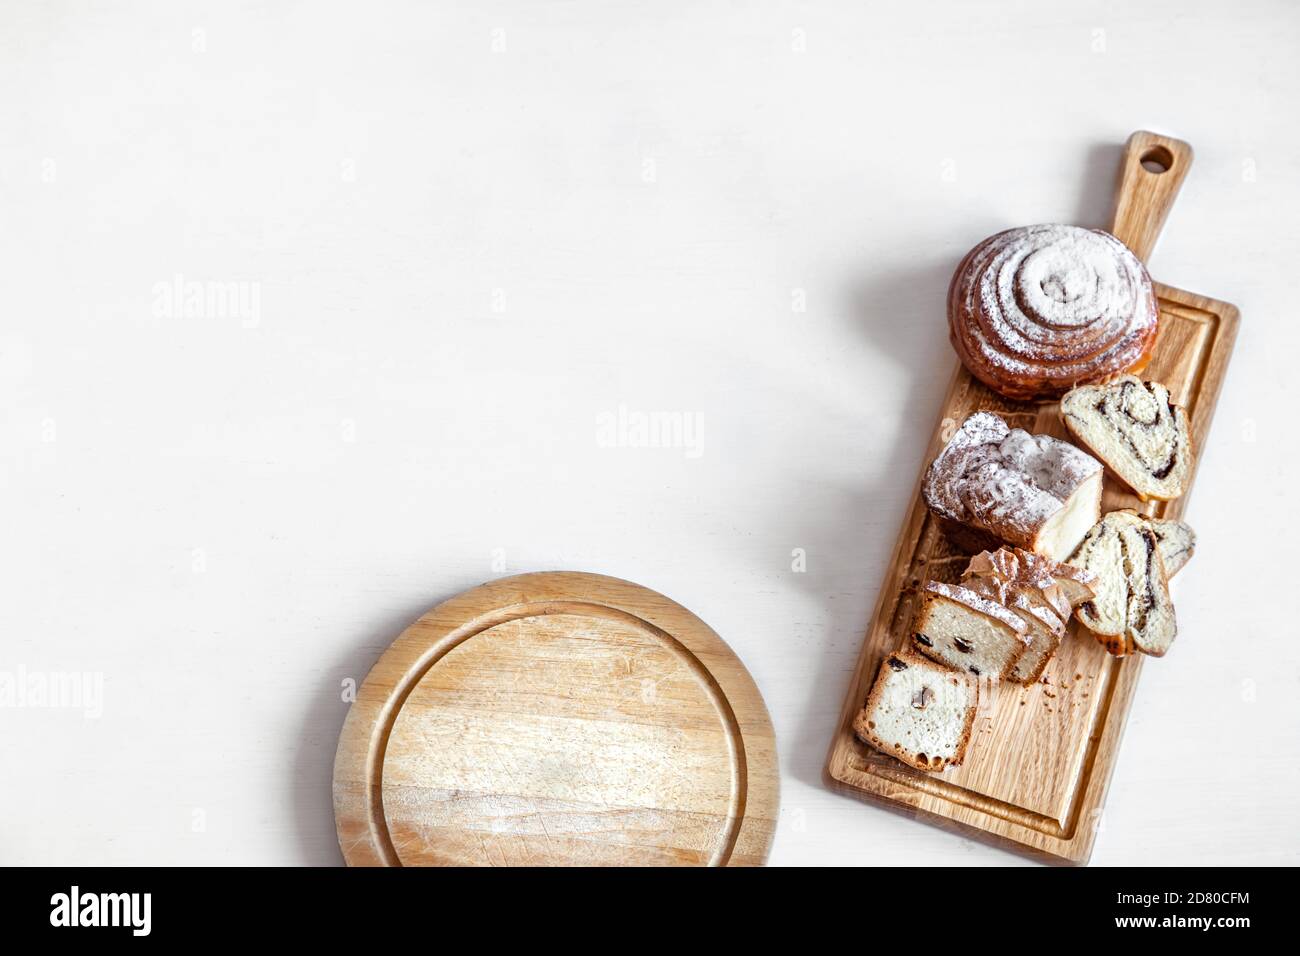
315	315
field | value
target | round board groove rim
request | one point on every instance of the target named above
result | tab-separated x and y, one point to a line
744	830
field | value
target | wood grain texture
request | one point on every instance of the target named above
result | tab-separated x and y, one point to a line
1040	760
1151	174
557	719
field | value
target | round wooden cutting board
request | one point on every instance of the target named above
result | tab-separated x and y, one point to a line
557	719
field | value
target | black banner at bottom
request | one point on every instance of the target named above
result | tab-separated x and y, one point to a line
338	906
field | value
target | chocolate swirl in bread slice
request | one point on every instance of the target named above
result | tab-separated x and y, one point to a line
1136	429
1132	610
1177	543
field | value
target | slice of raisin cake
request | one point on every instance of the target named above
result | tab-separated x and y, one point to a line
1136	429
919	712
969	632
1033	491
1046	630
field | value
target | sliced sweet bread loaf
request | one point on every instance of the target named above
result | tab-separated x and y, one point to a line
969	632
1033	491
1075	584
1136	429
1043	592
1132	610
919	712
1047	631
1177	543
1063	586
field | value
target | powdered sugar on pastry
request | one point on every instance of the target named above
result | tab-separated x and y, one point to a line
1035	310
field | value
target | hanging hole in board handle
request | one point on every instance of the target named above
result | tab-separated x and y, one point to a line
1151	173
1157	159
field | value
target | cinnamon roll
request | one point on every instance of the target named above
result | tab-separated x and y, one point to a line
1036	310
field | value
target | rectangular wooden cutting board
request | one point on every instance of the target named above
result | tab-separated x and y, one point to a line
1040	759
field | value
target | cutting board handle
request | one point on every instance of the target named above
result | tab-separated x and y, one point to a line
1152	172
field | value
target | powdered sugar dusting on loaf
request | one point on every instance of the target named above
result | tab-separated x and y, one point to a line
991	475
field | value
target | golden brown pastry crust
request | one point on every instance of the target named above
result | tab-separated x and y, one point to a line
1037	310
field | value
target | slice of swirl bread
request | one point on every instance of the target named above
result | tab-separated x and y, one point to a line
969	632
1033	491
1177	543
1136	429
919	712
1132	610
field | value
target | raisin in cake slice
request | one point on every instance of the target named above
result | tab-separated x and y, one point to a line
969	632
919	712
1136	429
1132	610
1033	491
